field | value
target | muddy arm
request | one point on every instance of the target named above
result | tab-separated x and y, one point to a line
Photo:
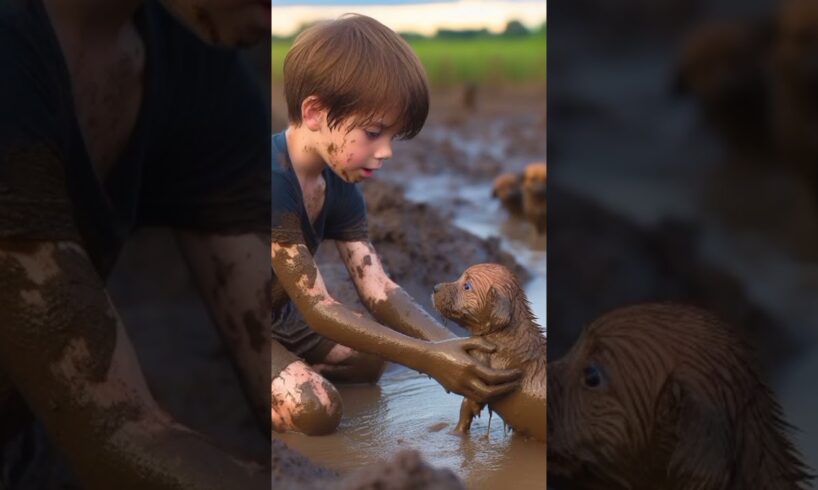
233	275
389	303
65	350
447	361
295	268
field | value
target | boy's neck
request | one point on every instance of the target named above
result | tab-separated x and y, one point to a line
307	162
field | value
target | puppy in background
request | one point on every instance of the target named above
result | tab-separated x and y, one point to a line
489	302
507	188
664	396
535	176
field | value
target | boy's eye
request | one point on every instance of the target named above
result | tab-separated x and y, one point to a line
373	134
467	286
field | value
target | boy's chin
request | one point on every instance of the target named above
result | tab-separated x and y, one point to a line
349	176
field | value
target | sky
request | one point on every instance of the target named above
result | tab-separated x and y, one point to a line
422	16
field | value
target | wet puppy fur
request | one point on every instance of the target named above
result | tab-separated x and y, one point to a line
489	302
535	176
665	396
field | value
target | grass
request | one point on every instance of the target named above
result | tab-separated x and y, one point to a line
485	60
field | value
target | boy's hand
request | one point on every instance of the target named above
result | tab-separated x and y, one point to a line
453	367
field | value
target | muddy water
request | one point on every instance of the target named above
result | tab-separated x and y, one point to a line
474	212
408	410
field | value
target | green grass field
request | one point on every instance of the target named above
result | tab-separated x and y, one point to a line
486	60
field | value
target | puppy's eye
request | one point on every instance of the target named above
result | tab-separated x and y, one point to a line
592	376
467	286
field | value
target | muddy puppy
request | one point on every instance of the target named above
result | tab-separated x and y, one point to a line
507	188
534	205
489	302
664	396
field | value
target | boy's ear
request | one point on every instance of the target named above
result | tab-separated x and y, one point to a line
312	113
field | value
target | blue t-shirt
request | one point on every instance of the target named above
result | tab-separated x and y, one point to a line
197	157
343	216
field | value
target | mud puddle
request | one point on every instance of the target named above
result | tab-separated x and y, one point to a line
408	410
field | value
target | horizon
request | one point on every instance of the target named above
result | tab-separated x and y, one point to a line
421	16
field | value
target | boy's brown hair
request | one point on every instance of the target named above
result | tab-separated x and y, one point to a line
358	68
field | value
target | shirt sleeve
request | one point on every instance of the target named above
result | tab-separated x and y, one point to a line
286	213
34	199
347	216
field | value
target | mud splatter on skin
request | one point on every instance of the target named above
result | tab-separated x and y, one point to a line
223	271
304	401
107	94
297	264
77	308
255	330
333	151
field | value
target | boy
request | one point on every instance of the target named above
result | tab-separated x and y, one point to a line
352	86
105	108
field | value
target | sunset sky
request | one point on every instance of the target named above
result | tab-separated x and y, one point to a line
424	17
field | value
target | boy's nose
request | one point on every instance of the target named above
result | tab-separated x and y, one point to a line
384	153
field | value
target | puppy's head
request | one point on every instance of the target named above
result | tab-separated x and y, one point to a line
506	186
660	393
535	177
535	174
481	300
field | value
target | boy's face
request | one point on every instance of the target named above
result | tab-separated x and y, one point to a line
229	23
356	153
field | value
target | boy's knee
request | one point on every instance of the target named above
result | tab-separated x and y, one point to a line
304	401
319	411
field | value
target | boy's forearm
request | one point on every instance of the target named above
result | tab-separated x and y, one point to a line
339	323
65	350
400	312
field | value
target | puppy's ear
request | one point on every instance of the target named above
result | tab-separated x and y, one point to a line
696	432
499	305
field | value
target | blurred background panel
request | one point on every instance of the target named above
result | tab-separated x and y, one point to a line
682	166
